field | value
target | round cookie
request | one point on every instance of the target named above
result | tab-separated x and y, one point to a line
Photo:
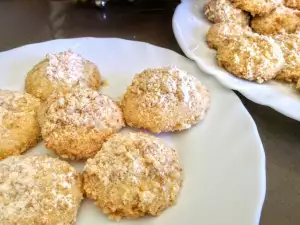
219	11
295	4
63	70
220	32
290	46
19	128
133	175
165	99
251	57
257	7
282	19
75	123
37	190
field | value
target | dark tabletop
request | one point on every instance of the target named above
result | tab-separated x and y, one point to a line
28	21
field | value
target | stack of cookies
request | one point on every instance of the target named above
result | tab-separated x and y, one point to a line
256	40
127	174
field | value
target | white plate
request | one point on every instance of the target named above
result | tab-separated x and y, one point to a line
222	157
190	28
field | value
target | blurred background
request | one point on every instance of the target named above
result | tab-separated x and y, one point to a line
40	20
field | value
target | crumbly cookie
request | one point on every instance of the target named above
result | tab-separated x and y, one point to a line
282	19
220	32
219	11
75	123
37	190
133	175
61	71
257	7
165	99
290	46
295	4
252	57
19	128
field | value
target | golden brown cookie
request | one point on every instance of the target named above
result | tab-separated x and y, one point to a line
63	70
257	7
165	99
252	57
220	32
295	4
133	175
37	190
76	123
282	19
219	11
19	128
290	46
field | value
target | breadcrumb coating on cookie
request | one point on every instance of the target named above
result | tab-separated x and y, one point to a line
295	4
19	128
219	11
290	46
75	123
165	99
257	7
133	175
220	32
280	20
38	190
252	57
63	70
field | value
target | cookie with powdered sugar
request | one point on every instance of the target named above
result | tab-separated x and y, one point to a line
63	70
37	190
165	99
134	175
218	11
19	128
75	123
252	57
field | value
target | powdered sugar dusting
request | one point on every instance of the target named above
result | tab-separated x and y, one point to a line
65	67
33	192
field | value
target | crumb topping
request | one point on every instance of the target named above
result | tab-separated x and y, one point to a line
135	175
80	108
252	55
35	188
18	102
220	32
164	85
290	46
224	11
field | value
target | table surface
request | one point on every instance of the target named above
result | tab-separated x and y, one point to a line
28	21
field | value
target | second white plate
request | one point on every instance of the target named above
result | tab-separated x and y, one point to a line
190	28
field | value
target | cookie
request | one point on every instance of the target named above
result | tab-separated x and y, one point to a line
290	46
76	123
133	175
220	32
37	190
63	70
257	7
165	99
19	128
219	11
282	19
295	4
251	57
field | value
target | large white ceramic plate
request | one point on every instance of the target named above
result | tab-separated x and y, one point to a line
222	157
190	28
